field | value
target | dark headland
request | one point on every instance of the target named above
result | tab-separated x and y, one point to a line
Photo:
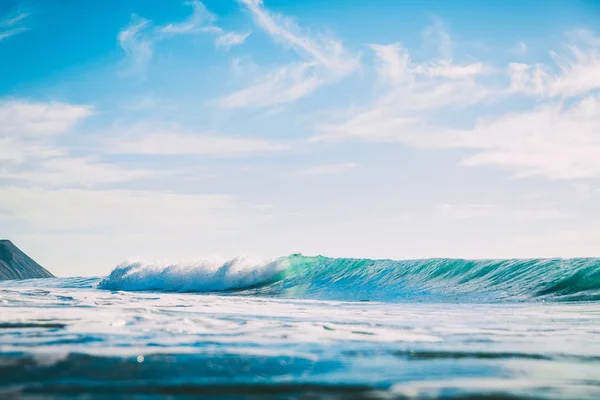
14	264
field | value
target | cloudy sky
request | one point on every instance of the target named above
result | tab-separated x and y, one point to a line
382	129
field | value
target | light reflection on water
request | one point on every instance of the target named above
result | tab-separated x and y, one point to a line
57	342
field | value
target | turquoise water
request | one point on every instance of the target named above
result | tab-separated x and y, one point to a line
307	327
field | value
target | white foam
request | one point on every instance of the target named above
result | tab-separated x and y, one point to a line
206	275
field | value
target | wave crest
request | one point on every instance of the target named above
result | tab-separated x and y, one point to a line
205	275
374	280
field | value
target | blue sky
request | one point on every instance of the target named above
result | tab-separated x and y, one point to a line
388	129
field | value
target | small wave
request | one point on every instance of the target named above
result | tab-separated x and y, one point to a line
76	282
206	275
326	278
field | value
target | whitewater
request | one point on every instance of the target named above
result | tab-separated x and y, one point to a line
307	327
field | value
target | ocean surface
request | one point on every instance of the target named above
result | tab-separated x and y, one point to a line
301	327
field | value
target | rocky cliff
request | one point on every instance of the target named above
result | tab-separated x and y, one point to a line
14	264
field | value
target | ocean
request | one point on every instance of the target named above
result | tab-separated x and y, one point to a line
300	327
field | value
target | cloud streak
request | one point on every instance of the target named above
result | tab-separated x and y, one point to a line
163	139
576	71
555	139
22	118
328	169
230	39
73	172
12	25
124	210
138	38
137	45
190	143
324	60
282	86
201	20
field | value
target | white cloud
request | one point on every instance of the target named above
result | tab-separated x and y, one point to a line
394	63
285	85
72	172
466	211
231	39
11	32
577	71
396	66
22	118
178	143
136	43
325	61
13	20
446	69
9	25
543	214
328	52
471	211
551	140
411	89
138	38
27	129
584	191
122	211
380	123
17	151
201	20
400	114
437	36
33	155
328	169
520	49
564	242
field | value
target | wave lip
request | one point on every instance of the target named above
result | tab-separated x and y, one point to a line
207	275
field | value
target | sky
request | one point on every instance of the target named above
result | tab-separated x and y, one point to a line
167	130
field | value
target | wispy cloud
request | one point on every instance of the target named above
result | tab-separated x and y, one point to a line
124	210
411	89
325	51
201	20
34	154
137	39
466	211
21	118
555	139
395	65
143	139
476	211
520	49
73	172
552	141
325	60
436	35
12	24
13	20
138	46
15	151
328	169
285	85
230	39
12	32
576	71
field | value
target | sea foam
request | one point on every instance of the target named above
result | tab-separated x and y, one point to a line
205	275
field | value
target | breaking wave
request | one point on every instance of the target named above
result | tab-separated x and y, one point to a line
206	275
299	276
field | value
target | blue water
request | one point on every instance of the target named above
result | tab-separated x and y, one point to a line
307	327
